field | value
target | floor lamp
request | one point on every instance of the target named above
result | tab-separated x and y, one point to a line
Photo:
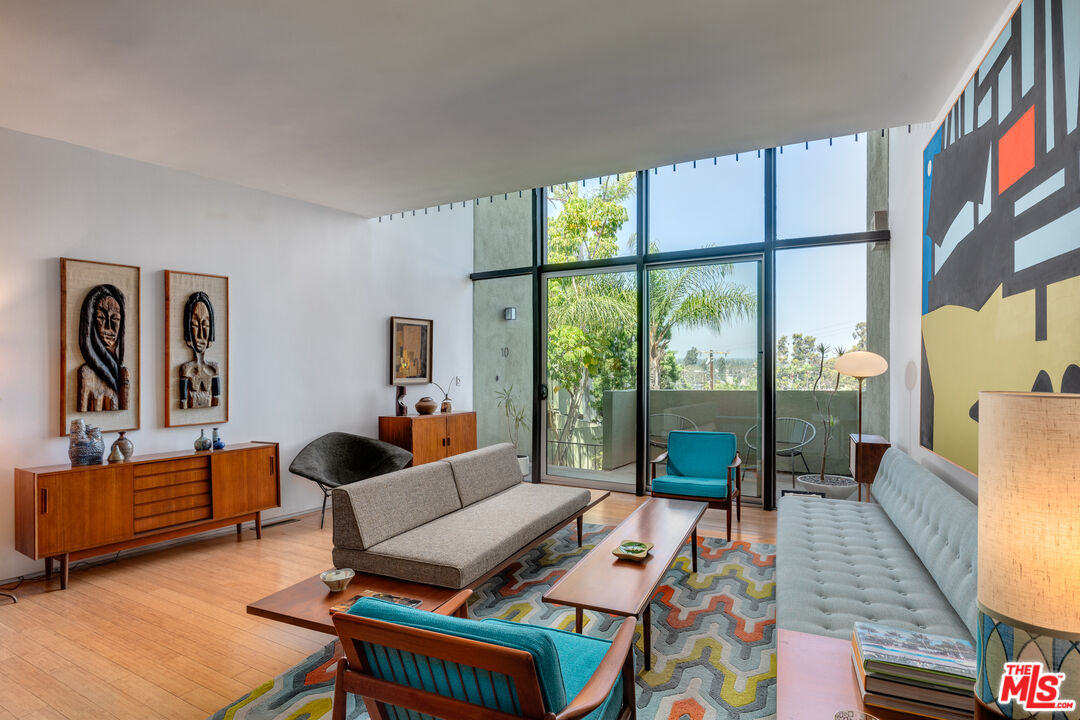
1028	554
860	365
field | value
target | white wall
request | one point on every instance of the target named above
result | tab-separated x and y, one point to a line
905	222
310	293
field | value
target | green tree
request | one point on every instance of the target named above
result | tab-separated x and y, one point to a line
859	336
691	357
692	297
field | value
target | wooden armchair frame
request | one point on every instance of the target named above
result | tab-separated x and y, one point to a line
734	492
354	674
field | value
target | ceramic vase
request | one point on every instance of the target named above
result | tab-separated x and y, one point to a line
426	406
81	449
446	405
115	455
127	448
202	442
219	444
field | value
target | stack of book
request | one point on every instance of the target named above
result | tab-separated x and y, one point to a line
914	672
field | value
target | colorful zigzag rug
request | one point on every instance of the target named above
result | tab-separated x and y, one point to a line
714	642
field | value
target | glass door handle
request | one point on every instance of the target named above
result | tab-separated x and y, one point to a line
543	391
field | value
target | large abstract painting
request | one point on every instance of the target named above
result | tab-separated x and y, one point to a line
1001	230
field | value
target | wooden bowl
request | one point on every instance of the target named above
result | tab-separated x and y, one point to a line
632	550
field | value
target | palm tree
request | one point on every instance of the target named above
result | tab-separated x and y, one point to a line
692	297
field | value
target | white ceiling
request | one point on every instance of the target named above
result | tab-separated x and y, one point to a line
375	106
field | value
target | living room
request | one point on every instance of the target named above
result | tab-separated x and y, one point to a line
546	259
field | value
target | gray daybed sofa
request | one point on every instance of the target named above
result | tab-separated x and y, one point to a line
451	523
906	560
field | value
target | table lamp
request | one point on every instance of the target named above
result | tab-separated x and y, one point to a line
1029	548
861	364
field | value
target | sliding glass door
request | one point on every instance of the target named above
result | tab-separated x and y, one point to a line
705	356
590	375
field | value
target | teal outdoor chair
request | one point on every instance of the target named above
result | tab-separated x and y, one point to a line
703	466
406	662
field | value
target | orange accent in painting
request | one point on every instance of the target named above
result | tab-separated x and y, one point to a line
1016	151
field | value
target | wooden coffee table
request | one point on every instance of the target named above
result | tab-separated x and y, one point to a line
600	581
307	603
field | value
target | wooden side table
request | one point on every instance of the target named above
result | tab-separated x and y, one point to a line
864	455
815	679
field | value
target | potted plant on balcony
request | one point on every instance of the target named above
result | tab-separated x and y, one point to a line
515	422
835	487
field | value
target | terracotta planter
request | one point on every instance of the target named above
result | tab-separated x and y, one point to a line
426	406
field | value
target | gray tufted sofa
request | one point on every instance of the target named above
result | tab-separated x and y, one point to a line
906	560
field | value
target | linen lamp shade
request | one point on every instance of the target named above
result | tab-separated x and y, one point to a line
861	364
1029	537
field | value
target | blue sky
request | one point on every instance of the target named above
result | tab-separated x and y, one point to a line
820	190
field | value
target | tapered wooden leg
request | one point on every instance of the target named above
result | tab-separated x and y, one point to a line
239	529
340	699
629	686
646	633
258	525
579	619
580	529
64	571
729	521
48	569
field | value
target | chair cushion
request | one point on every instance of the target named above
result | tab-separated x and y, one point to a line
698	454
388	505
533	640
456	549
939	524
580	656
485	472
704	487
839	562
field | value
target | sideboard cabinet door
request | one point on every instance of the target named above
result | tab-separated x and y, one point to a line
94	506
244	482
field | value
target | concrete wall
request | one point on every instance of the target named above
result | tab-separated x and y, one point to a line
878	263
502	349
310	293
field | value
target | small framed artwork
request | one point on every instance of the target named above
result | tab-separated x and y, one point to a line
410	351
196	349
99	345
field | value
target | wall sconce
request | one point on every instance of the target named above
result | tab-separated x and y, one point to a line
510	313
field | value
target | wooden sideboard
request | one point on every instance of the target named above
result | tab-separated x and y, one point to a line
430	437
66	513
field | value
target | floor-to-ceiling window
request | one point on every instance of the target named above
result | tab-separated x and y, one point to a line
695	296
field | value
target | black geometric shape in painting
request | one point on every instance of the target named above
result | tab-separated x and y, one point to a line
1042	383
973	411
1070	381
926	405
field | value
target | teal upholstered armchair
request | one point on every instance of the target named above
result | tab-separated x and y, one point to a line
403	661
703	466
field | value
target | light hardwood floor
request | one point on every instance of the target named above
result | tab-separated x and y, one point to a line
165	635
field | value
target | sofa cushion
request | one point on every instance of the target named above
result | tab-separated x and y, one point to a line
388	505
457	549
533	640
703	487
839	562
485	472
939	524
